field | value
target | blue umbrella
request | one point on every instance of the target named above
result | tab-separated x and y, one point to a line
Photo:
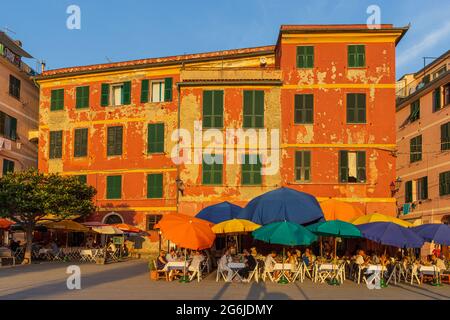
436	232
220	212
284	204
391	234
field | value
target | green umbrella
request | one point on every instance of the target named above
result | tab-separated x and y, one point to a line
285	233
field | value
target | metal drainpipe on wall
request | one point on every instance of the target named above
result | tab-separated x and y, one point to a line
178	142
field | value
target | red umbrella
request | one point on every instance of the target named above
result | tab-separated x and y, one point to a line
5	224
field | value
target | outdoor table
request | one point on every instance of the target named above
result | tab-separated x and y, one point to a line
235	267
329	270
45	253
175	265
283	267
375	269
430	270
88	255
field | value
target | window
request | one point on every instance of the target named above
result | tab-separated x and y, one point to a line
80	142
55	145
57	100
303	165
212	169
82	97
352	166
447	94
445	136
437	99
152	220
305	57
8	166
253	109
439	72
116	94
356	56
8	126
426	79
444	183
213	109
415	147
113	219
113	187
155	186
422	188
356	108
157	91
114	147
161	90
82	178
415	111
304	108
155	138
408	192
251	170
14	87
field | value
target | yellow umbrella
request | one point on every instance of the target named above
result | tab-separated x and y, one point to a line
378	217
235	226
66	225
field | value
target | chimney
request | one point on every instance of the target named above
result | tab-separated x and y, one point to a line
42	66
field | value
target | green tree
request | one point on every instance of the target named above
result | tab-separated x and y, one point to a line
28	197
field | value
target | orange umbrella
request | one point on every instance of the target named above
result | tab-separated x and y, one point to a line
187	231
5	224
128	228
339	210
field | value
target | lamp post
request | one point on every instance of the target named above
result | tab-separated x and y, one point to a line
395	186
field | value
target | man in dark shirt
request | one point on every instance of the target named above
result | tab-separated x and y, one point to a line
250	264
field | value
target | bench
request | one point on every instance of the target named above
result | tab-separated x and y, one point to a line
5	254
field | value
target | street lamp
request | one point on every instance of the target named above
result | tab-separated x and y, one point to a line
395	186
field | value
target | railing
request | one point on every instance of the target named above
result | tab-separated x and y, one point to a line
218	73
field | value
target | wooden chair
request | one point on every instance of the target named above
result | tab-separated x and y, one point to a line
445	278
161	274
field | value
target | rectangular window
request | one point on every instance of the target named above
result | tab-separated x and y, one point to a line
444	183
213	109
57	100
80	142
422	188
445	136
8	126
104	101
113	187
253	109
8	166
303	165
82	178
356	108
14	87
415	111
155	138
158	91
115	136
356	56
152	220
408	192
145	84
415	147
82	97
55	145
304	108
155	186
212	169
352	166
437	99
305	57
120	93
251	170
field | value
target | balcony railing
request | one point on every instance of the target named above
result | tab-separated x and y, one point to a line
230	74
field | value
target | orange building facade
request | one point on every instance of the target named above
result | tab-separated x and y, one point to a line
325	95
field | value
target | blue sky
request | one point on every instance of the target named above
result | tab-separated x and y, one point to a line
122	30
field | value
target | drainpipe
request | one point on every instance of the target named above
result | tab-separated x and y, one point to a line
178	142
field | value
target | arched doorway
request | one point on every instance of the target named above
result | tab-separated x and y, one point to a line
112	218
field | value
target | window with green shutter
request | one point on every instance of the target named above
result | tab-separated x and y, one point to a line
145	85
8	166
155	186
82	178
57	100
80	142
113	187
445	136
422	188
14	86
126	93
305	57
8	126
155	138
304	108
444	183
361	166
168	89
408	192
356	108
82	97
356	56
212	169
251	170
303	165
105	95
437	105
213	109
352	166
415	147
55	143
415	111
114	144
253	109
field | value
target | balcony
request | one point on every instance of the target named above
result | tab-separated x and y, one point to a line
33	136
263	75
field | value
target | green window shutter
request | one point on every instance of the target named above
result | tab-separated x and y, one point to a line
415	111
57	100
415	146
212	173
303	165
251	170
351	107
55	144
248	108
126	93
253	109
307	165
213	109
356	56
113	187
155	186
155	138
3	118
304	108
105	95
168	89
12	128
343	166
82	178
445	136
356	108
259	109
8	166
144	90
207	109
361	166
437	99
81	142
424	190
114	143
298	165
218	109
305	57
408	192
82	97
444	183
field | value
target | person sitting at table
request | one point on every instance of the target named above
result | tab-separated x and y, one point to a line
254	252
161	261
438	262
171	256
250	264
270	262
223	265
54	247
307	257
374	258
426	261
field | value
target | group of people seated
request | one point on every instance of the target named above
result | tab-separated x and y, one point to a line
194	259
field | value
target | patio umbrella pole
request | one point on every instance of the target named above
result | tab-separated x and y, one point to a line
184	278
283	279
